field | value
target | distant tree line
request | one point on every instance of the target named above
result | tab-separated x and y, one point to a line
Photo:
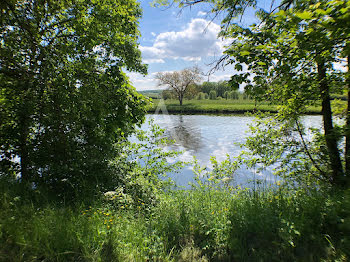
208	90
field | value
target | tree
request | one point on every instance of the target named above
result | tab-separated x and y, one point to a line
206	87
168	94
192	91
201	96
233	95
290	56
212	95
179	81
64	99
222	87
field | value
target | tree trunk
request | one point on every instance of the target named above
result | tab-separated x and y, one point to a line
330	136
347	127
180	99
23	147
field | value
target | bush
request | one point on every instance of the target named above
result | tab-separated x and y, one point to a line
226	94
233	95
212	95
246	96
201	96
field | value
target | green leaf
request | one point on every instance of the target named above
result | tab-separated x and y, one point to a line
344	10
306	15
238	67
244	53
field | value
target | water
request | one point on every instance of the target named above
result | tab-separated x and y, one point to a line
204	136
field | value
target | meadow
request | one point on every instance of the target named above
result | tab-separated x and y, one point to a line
219	106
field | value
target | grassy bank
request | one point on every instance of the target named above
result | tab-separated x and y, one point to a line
222	106
193	225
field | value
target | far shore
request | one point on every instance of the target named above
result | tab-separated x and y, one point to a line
222	106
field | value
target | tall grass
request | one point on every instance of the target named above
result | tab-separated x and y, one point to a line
254	226
185	225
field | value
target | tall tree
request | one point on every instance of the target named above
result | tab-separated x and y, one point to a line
64	99
179	81
291	55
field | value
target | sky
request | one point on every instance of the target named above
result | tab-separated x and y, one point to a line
172	40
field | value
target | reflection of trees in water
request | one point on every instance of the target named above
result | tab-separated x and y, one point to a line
184	134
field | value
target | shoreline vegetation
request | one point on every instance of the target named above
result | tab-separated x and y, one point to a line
208	224
221	106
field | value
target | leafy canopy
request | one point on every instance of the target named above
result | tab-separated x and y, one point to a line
64	98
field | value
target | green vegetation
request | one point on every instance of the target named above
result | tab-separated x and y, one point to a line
288	59
206	223
73	187
205	90
64	102
202	105
154	94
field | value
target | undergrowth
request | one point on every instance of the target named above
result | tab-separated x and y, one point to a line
186	225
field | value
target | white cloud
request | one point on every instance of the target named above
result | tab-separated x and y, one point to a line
201	13
151	52
219	77
154	61
197	41
153	34
141	82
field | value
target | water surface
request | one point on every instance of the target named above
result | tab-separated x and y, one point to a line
204	136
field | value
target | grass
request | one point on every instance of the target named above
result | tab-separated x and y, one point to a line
185	225
219	106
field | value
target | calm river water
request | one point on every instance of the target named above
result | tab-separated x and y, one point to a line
204	136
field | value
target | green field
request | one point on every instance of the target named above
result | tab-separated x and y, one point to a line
222	106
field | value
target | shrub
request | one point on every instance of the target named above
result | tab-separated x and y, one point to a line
233	95
201	96
212	95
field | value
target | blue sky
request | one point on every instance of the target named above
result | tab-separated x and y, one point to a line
172	39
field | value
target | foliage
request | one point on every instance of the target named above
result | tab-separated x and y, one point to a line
286	146
168	94
64	99
213	221
220	87
288	60
233	95
201	96
238	106
192	91
115	226
142	166
212	95
298	74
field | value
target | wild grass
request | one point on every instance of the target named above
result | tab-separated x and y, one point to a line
185	225
220	106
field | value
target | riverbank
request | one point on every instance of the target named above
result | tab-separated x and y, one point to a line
222	106
195	225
